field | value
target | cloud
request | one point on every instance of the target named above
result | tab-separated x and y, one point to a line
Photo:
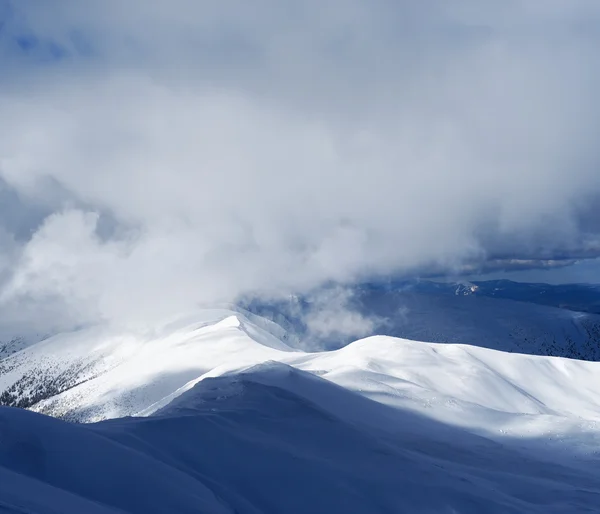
331	319
191	152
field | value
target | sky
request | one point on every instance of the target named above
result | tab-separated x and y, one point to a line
155	155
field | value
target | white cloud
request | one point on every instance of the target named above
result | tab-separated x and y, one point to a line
331	318
272	147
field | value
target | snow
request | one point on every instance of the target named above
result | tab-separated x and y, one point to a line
231	419
111	375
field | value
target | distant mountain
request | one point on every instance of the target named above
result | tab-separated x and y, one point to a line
480	314
576	297
14	344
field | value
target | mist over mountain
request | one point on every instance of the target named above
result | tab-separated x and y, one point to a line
538	319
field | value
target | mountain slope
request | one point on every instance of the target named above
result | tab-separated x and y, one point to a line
93	375
576	297
97	373
268	441
501	324
237	421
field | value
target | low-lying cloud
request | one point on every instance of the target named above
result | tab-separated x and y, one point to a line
176	153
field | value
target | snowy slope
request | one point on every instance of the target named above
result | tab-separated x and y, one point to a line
103	373
492	322
274	439
14	344
95	374
237	421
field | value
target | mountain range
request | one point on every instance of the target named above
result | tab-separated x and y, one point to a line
223	410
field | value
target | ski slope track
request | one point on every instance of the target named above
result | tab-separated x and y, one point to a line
215	413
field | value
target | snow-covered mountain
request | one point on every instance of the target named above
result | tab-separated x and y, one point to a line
457	313
231	419
14	344
89	363
576	297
